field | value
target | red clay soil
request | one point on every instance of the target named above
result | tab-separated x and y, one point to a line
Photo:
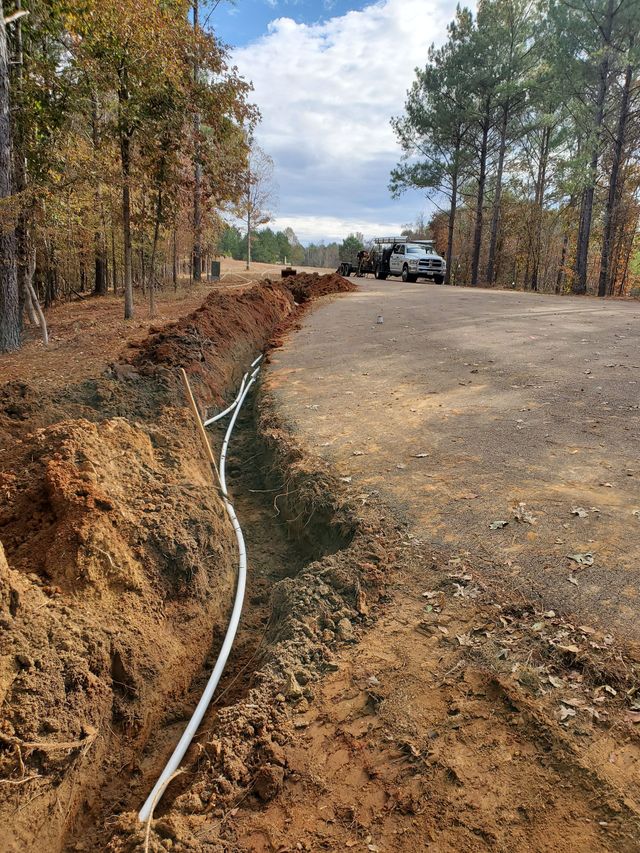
305	286
116	558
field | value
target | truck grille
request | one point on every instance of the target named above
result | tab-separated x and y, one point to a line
430	265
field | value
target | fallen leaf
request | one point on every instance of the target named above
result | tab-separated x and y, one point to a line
464	639
573	649
633	716
419	455
346	479
401	466
585	559
555	681
573	579
565	713
586	630
522	514
498	525
580	511
358	453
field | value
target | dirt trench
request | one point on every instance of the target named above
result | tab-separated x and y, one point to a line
117	563
279	549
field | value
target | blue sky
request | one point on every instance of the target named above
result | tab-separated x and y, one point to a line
328	75
244	21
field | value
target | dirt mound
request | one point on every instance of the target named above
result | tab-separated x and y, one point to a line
306	286
217	341
106	603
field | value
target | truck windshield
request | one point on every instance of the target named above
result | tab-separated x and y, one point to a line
418	250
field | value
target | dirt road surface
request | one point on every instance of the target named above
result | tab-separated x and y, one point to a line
465	408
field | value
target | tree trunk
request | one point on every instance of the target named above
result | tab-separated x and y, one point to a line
584	231
23	224
197	176
100	249
126	227
539	201
477	234
563	258
114	268
495	219
10	314
248	239
33	298
452	217
249	218
125	160
174	269
608	224
152	274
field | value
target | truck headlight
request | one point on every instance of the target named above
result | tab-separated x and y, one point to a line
413	265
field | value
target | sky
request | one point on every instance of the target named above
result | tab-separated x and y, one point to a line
328	75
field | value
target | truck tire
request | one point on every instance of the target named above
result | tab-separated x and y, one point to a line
345	270
407	276
381	276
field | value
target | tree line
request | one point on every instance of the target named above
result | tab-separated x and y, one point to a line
524	129
279	247
124	135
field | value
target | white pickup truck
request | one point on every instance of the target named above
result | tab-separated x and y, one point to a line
410	259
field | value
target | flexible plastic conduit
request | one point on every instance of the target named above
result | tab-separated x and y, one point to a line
192	726
229	408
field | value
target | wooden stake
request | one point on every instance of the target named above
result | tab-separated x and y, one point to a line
200	426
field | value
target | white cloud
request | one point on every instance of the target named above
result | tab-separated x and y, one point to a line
326	92
311	229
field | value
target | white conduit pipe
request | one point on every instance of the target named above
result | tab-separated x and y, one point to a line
192	726
225	443
229	408
232	406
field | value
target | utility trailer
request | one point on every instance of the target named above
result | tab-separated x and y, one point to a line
359	265
398	256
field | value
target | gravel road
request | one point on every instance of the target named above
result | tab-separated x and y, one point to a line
468	407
